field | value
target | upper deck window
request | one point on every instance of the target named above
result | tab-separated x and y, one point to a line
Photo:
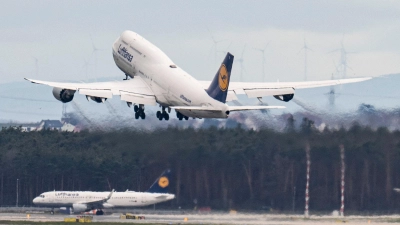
172	66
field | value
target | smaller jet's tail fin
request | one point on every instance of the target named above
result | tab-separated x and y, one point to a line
162	183
218	88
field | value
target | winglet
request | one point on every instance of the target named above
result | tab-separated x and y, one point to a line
109	196
218	88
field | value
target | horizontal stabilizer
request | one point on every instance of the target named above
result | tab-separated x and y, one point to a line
257	107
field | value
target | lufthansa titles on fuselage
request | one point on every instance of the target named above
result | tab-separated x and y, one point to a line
63	194
124	53
186	99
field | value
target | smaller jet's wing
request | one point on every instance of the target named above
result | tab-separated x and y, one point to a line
133	90
396	190
101	201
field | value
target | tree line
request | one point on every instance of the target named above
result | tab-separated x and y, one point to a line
221	168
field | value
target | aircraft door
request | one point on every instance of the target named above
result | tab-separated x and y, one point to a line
143	199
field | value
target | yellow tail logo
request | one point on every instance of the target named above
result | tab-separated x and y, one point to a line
223	78
163	182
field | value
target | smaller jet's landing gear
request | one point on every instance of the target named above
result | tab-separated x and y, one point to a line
180	116
163	114
52	212
139	112
99	212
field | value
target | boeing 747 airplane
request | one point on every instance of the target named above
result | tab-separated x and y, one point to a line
156	79
81	201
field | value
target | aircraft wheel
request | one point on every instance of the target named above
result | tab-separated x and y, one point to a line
158	114
52	212
166	116
143	115
186	118
180	118
136	115
136	108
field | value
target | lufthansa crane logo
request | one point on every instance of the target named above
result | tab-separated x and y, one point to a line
223	78
163	182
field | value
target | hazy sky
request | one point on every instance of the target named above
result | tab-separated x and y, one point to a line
52	39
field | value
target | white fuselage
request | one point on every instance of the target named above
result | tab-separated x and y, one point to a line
118	199
172	86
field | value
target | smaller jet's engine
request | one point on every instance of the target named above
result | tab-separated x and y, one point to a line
284	98
63	95
108	205
79	207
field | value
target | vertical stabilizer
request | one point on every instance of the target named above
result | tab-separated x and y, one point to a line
162	183
218	89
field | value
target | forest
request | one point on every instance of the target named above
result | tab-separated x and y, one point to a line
223	169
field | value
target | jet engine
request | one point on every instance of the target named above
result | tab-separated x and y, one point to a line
284	98
79	207
63	95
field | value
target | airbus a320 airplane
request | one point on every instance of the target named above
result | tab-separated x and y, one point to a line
81	201
156	79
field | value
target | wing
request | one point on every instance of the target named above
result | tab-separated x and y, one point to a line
231	108
98	202
255	90
133	90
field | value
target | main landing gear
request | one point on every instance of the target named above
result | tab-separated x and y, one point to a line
163	114
180	116
139	112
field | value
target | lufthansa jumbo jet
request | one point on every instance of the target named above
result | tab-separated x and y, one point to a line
81	201
156	79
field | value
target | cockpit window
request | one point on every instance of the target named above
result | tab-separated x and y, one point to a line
42	196
172	66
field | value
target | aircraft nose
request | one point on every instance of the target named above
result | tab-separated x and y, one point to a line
35	200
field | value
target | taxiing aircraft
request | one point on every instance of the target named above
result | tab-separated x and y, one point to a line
155	78
81	201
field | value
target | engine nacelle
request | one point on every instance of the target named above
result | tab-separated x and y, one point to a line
63	95
284	98
79	207
107	205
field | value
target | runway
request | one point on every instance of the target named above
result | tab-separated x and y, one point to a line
212	218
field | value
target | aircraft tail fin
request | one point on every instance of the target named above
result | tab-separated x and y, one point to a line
162	183
218	88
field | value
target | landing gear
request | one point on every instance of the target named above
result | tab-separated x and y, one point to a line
139	112
126	77
99	212
180	116
52	212
162	114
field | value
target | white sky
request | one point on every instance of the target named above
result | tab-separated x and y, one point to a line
58	33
